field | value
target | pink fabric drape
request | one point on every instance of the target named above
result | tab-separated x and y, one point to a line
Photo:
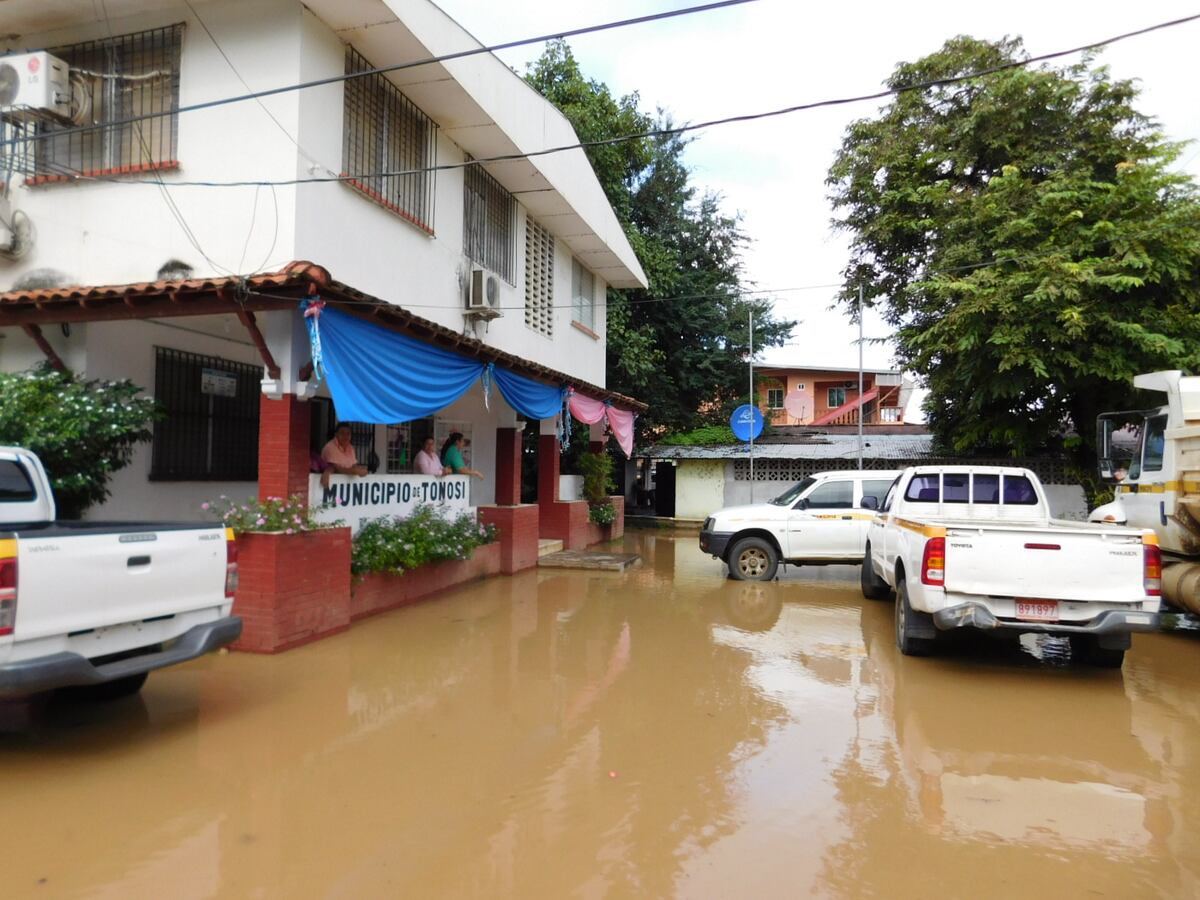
620	421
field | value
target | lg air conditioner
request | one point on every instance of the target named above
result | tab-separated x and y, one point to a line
34	85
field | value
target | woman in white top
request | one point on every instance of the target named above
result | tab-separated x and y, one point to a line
427	460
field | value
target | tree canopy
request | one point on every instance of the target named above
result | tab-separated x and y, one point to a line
681	346
1025	237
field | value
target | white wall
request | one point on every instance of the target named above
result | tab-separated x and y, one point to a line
106	233
699	488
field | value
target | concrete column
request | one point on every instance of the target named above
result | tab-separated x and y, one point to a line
549	462
508	467
283	452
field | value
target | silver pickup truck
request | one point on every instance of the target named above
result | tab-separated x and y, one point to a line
102	604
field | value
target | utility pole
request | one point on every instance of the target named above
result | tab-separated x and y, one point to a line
750	315
860	377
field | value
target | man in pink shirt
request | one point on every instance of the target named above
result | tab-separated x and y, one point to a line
339	453
427	461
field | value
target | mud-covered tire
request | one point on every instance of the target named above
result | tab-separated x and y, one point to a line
1087	650
753	559
908	640
873	587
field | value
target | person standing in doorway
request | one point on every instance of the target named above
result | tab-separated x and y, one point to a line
339	454
452	456
427	461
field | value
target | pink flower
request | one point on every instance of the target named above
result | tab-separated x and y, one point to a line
261	521
204	506
289	531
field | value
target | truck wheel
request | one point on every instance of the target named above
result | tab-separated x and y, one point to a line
1086	649
753	559
109	690
910	634
873	587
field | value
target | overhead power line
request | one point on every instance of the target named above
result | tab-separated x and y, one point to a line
383	70
657	132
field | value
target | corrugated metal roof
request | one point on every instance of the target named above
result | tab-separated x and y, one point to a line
823	446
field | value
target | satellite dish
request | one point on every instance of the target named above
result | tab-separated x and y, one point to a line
796	403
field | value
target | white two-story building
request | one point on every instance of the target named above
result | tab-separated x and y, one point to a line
150	239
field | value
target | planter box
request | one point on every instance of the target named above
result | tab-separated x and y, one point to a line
568	522
518	528
378	592
597	534
292	588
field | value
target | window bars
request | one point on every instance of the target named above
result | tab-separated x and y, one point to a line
383	131
539	278
210	428
112	79
489	222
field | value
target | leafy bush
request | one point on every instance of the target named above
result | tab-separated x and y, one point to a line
596	469
394	544
602	513
83	431
706	436
273	514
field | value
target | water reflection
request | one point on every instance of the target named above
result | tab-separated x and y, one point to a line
655	733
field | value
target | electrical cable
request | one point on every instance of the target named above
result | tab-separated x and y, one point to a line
604	142
383	70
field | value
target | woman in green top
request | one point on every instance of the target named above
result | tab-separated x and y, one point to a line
452	457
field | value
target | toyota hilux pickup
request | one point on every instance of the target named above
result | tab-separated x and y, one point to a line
98	605
820	520
976	547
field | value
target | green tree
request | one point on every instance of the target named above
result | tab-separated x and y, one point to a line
686	358
82	431
1023	234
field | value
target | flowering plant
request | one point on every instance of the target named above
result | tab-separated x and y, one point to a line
602	513
394	544
288	515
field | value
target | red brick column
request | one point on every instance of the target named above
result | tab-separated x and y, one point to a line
283	429
549	463
508	467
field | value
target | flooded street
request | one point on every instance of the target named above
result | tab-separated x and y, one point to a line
662	732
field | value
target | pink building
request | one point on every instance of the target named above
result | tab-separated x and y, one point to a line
798	395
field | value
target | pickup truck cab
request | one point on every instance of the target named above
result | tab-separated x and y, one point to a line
820	520
101	604
976	546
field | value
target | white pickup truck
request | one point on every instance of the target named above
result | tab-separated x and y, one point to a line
100	605
975	546
818	521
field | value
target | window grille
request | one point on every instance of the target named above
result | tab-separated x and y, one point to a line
775	398
112	79
489	222
583	294
362	439
383	131
539	278
210	428
400	450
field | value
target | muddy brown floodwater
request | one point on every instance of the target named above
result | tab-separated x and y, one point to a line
658	733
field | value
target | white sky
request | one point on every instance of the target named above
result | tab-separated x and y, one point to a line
775	53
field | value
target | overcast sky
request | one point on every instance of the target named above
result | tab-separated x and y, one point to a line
775	53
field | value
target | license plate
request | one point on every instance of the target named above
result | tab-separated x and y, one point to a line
1037	610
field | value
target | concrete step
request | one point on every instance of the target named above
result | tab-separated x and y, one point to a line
546	546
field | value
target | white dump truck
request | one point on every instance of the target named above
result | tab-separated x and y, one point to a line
101	604
976	547
1152	457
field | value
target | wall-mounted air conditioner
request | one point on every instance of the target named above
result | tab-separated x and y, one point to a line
34	85
483	299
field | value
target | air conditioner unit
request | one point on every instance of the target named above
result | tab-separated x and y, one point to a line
851	384
484	298
33	85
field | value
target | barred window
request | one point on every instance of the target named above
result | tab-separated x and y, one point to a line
112	79
774	398
383	131
209	431
583	294
489	222
539	278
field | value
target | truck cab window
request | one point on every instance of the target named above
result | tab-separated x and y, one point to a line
987	489
1018	491
15	486
955	487
924	489
832	495
1152	453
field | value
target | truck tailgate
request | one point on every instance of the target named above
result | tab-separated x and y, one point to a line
1046	563
75	582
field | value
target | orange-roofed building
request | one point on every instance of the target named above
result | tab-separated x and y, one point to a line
799	395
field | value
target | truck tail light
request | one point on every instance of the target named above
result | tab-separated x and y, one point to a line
8	595
1152	569
933	563
231	568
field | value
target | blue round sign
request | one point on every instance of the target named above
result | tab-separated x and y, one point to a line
746	422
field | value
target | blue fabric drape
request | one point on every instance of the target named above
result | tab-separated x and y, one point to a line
378	376
530	398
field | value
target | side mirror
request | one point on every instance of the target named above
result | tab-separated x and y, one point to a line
869	502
